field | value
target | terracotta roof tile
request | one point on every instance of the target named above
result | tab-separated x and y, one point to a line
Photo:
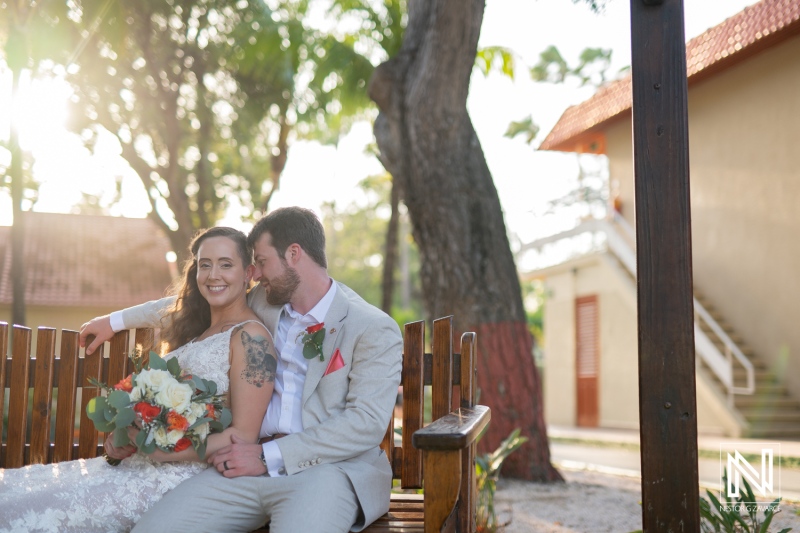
84	260
749	31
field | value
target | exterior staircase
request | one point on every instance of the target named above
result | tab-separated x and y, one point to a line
753	391
770	411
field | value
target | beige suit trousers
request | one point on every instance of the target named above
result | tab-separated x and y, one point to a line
319	500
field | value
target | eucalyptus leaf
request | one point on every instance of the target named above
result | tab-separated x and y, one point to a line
119	399
95	407
318	336
211	386
140	438
105	427
121	437
201	449
174	367
109	413
225	417
148	447
309	352
156	363
125	417
199	422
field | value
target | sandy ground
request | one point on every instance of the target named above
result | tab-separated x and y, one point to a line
590	502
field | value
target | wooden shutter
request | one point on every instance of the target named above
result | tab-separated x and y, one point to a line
587	328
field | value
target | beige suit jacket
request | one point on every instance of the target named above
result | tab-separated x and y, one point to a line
346	413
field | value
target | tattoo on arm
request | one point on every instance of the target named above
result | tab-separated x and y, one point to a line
261	364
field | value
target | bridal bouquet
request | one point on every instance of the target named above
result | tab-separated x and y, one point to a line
172	409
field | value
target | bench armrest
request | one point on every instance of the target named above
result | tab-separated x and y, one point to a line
455	431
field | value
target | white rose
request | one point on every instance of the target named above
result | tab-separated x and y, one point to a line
136	394
160	435
175	396
201	431
198	410
174	436
154	380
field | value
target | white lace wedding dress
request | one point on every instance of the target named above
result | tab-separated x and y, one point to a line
89	495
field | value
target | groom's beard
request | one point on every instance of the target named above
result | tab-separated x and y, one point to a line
282	288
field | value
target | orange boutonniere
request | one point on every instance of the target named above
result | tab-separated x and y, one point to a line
312	341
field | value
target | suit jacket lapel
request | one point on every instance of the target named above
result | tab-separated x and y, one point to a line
334	321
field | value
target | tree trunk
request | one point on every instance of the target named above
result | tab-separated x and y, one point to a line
428	144
390	254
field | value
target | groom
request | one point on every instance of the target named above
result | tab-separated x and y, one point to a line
319	467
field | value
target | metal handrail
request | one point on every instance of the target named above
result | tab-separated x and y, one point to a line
721	365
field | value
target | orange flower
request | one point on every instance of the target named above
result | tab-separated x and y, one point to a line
211	412
182	444
125	384
147	411
175	421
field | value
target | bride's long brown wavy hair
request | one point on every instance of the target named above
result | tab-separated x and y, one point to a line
190	315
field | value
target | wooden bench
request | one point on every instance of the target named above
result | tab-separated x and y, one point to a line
439	457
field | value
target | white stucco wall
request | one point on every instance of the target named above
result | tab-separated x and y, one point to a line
744	125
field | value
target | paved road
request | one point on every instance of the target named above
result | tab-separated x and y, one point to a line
615	459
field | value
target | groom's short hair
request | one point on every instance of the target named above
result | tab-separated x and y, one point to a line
290	225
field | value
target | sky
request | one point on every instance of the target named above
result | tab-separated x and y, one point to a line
525	178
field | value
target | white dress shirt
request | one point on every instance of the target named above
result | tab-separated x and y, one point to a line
284	413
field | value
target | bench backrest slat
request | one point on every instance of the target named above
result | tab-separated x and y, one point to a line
67	395
92	367
410	468
117	357
18	397
468	397
144	340
42	396
442	376
3	355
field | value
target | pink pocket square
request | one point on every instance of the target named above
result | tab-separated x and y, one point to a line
335	363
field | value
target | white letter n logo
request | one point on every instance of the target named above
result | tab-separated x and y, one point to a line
738	466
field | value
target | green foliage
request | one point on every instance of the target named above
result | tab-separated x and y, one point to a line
356	236
205	98
552	67
487	469
591	69
526	127
534	299
495	58
595	5
114	413
726	516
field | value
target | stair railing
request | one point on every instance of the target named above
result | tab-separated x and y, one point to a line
621	243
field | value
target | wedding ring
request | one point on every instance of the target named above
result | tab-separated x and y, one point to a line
225	465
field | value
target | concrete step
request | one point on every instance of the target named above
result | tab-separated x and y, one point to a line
767	416
765	385
776	431
743	401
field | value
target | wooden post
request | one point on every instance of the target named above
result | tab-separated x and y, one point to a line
667	400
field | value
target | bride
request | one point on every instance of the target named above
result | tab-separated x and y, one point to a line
214	335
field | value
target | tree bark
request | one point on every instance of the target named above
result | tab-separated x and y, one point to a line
390	253
430	147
